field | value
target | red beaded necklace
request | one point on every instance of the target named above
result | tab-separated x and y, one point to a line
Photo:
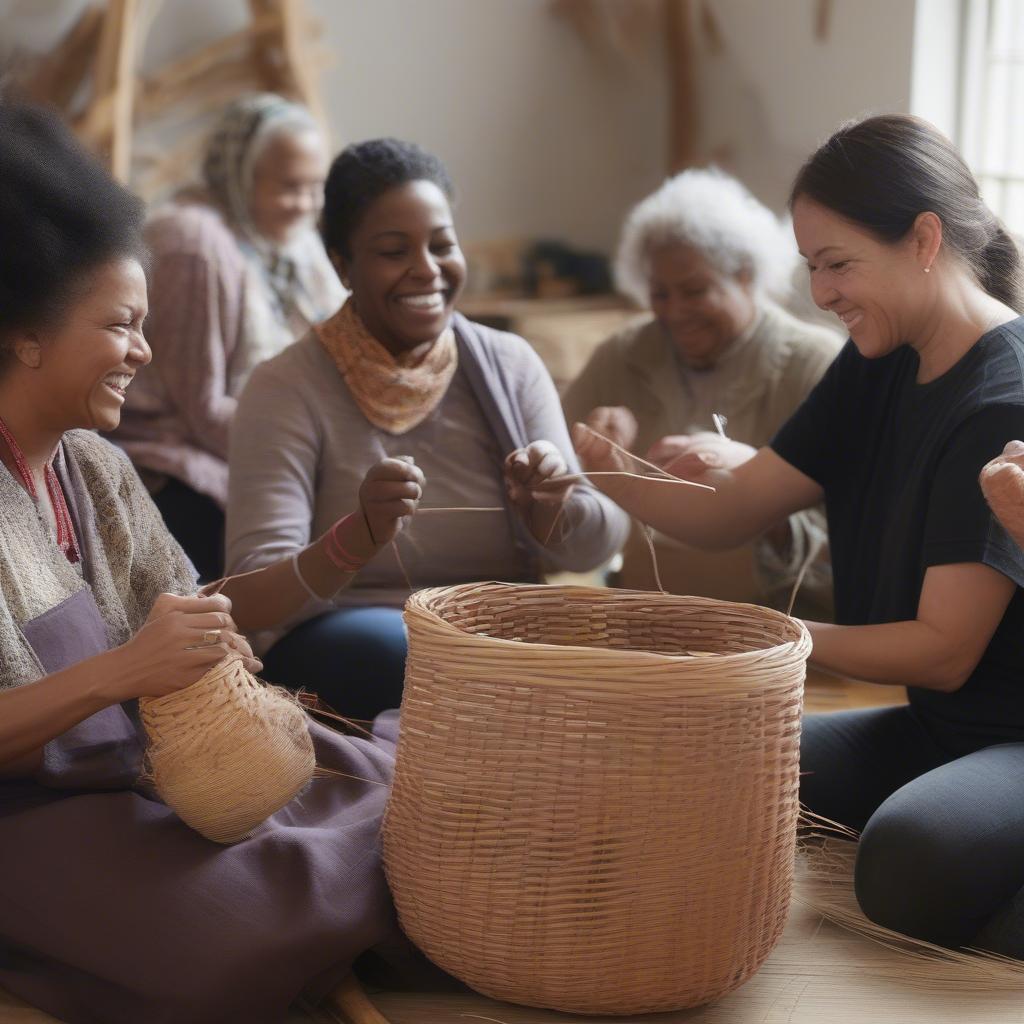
65	527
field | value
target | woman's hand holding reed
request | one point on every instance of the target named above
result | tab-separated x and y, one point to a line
538	482
390	493
182	638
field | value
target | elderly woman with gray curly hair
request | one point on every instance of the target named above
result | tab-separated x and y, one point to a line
704	256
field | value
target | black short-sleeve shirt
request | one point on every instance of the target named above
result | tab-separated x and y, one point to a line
899	464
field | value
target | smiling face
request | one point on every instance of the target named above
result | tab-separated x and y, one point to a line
82	367
405	268
701	309
875	288
287	184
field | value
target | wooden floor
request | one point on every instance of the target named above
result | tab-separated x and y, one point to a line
818	974
829	693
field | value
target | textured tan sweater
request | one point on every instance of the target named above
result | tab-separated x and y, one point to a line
129	557
758	385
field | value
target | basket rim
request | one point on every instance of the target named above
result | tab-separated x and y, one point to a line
417	606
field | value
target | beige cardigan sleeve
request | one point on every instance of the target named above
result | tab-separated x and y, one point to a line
600	382
197	291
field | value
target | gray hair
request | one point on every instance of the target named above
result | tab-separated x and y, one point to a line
241	135
711	212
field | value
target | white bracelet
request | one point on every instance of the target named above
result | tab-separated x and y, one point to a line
305	586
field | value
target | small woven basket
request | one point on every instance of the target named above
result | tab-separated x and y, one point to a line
596	794
228	751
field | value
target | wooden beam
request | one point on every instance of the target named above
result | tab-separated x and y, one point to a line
57	76
185	71
683	115
823	20
107	121
273	52
124	89
296	59
237	72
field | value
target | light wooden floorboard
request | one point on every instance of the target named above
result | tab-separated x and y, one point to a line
818	974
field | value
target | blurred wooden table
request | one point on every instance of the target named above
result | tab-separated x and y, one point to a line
564	332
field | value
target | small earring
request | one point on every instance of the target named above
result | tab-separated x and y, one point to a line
927	270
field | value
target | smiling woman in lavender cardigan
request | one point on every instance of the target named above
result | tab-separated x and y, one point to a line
398	383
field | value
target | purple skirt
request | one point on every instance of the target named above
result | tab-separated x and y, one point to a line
112	911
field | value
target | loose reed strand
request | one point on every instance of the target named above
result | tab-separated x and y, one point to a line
555	481
494	508
815	550
554	523
648	533
825	886
315	705
323	772
629	454
401	564
827	851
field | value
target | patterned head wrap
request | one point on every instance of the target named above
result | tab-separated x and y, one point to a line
236	143
231	154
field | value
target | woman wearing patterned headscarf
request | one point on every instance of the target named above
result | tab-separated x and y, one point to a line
237	273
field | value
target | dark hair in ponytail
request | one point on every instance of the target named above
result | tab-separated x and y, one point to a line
999	268
882	172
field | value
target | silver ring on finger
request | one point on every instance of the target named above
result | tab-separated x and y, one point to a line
211	637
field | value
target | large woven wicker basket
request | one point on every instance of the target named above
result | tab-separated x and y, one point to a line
596	794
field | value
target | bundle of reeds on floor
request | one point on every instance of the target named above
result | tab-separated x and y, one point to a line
596	794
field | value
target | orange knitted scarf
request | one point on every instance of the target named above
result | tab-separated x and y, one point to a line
394	394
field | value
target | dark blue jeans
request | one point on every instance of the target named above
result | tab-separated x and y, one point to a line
941	854
352	658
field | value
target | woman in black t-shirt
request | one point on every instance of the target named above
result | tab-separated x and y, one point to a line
929	388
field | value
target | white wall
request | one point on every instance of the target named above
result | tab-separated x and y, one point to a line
776	91
543	136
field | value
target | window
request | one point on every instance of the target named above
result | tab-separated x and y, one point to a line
990	125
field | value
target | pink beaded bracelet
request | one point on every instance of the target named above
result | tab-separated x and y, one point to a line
339	555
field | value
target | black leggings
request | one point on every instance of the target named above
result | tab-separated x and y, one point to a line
941	854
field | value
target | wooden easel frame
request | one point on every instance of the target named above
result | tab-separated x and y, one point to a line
99	55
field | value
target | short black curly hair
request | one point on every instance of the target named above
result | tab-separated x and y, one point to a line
364	171
61	216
